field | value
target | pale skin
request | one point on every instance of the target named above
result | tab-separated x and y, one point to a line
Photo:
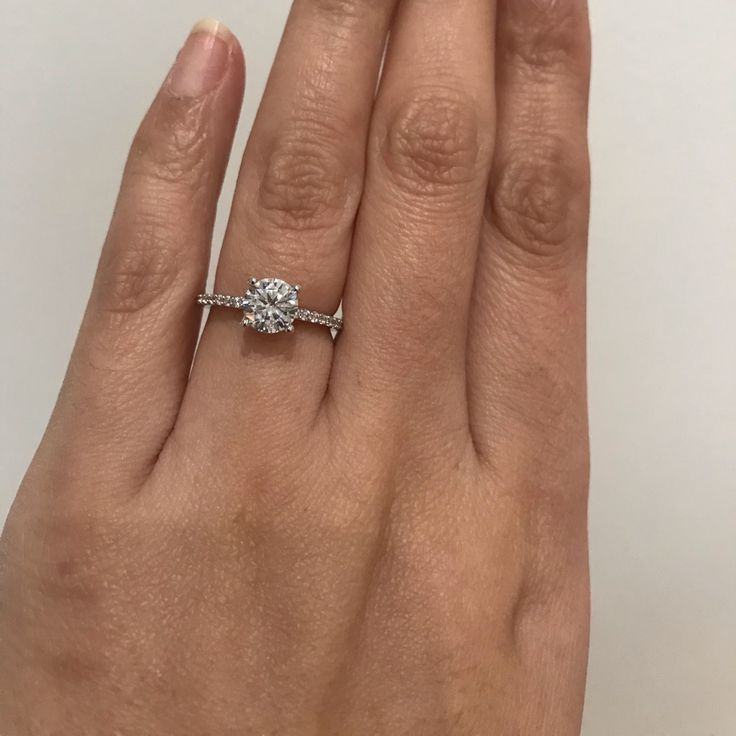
381	534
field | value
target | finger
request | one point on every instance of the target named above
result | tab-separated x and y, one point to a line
134	350
416	239
526	364
293	210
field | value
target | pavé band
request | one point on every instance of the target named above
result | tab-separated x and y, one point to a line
270	306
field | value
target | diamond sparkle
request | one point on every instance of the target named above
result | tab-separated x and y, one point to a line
270	305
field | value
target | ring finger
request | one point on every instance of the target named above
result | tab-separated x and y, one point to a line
293	211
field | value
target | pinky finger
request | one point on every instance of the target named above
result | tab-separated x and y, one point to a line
130	364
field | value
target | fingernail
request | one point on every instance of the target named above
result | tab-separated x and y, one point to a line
201	64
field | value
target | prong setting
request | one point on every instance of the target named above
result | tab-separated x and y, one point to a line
270	305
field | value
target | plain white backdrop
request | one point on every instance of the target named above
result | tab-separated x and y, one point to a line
77	76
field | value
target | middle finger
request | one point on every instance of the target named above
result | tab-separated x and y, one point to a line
417	234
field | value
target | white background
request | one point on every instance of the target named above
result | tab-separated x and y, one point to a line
77	75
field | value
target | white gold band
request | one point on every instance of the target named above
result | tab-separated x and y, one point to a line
242	303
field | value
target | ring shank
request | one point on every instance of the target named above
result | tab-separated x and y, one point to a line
307	315
238	302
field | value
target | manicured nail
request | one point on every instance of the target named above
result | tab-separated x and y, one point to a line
202	62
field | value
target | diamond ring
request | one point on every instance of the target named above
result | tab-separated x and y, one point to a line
270	306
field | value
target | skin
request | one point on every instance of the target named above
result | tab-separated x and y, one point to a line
384	534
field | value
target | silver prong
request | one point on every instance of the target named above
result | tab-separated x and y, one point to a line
297	288
290	328
253	281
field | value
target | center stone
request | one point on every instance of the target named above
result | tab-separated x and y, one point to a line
270	305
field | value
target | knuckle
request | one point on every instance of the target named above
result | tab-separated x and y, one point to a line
551	599
69	575
534	196
545	34
68	579
172	147
137	275
66	568
166	178
306	183
433	141
338	10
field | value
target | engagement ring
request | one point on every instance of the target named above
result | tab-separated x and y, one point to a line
270	306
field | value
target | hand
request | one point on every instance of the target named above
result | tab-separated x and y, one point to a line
382	534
